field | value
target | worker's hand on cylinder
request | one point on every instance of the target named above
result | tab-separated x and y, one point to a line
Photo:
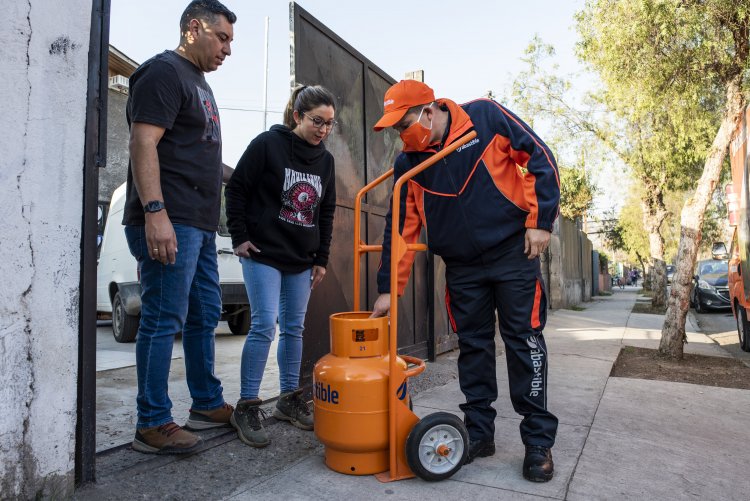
536	242
382	306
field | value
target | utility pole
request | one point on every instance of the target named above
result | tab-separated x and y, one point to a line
417	75
265	78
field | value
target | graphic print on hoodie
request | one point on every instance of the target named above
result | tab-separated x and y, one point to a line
300	197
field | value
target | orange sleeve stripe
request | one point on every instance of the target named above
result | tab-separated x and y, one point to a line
546	154
535	322
410	232
504	171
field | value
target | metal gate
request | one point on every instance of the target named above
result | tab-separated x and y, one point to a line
319	56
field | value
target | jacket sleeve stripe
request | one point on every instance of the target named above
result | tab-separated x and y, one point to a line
533	138
541	179
410	230
503	169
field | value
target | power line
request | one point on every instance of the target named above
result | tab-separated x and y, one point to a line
249	109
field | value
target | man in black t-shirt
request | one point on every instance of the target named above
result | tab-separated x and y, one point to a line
171	216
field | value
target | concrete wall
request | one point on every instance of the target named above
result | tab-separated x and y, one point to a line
570	265
45	54
116	171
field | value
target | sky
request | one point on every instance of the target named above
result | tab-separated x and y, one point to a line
465	48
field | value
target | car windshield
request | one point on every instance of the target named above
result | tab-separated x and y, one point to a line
713	271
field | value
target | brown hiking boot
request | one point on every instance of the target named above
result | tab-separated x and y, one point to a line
214	418
166	439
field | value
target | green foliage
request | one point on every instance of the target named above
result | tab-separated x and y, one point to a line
576	192
664	65
630	228
604	260
542	96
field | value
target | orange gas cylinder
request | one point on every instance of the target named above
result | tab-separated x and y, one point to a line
350	393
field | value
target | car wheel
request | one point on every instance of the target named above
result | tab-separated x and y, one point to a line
742	328
124	326
239	323
699	308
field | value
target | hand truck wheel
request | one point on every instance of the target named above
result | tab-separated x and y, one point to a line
437	446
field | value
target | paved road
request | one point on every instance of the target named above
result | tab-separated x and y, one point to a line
722	328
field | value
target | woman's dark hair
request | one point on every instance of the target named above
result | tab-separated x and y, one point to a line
304	98
207	10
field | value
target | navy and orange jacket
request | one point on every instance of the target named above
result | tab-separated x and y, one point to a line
493	187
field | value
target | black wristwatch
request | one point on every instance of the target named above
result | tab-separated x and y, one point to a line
153	206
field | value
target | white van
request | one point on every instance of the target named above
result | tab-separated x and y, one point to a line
118	290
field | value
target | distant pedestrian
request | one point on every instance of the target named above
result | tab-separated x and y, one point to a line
634	277
490	207
173	204
280	204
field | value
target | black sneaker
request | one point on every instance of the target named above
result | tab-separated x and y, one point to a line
538	465
480	449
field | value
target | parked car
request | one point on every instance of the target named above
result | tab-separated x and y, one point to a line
118	290
710	285
670	273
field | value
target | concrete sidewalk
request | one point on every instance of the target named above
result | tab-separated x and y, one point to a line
617	439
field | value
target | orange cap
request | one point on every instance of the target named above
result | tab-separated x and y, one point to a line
399	98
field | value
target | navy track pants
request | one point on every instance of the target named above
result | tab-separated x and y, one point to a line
506	281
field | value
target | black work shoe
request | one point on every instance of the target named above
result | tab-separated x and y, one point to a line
293	408
538	465
480	449
247	419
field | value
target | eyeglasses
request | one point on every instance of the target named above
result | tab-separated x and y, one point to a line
318	122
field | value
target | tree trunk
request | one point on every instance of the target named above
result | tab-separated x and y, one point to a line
691	219
654	214
646	273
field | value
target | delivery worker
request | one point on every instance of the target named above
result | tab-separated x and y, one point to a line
490	207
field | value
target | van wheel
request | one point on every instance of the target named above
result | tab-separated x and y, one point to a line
239	324
124	326
742	328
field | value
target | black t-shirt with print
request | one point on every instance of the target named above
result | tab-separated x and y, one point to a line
171	92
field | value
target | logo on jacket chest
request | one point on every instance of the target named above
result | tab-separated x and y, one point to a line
299	198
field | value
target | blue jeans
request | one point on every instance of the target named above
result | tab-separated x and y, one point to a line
273	294
182	297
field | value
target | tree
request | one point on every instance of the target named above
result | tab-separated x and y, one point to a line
533	93
576	192
619	119
687	57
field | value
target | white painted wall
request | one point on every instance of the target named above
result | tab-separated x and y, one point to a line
44	48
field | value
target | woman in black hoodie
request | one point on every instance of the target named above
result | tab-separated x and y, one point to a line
280	203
